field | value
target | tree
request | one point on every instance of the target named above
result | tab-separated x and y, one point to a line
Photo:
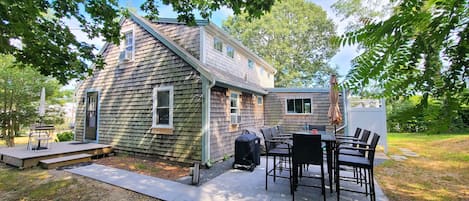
20	88
35	32
294	37
359	12
422	48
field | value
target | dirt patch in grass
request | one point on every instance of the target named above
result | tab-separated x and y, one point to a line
441	172
38	184
150	167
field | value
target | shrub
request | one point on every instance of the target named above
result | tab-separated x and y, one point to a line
65	136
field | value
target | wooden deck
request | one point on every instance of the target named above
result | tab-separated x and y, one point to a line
22	158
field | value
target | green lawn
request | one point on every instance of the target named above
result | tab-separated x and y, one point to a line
441	172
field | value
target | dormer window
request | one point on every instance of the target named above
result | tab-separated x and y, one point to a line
250	64
218	44
230	51
129	44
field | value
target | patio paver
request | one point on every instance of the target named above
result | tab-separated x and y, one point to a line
232	185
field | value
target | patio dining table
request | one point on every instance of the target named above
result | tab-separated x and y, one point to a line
329	139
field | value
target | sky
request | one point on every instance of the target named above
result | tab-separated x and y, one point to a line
341	59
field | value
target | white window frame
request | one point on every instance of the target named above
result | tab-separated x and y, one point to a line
261	70
124	44
237	108
215	40
261	100
227	51
171	106
295	98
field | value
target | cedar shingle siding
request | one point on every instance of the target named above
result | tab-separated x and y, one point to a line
125	115
275	112
221	137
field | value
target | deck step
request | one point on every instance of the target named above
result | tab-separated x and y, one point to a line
65	160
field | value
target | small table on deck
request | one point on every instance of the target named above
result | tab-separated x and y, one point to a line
40	133
330	140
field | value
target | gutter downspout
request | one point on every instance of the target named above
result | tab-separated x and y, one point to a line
207	85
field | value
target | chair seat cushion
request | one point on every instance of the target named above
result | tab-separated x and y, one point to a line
282	146
350	152
356	161
278	152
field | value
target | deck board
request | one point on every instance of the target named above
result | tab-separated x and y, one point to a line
20	157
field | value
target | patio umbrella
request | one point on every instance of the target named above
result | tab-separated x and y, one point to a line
42	104
335	117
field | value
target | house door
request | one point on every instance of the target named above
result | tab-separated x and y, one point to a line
91	118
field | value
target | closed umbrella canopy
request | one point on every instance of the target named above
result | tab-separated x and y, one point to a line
42	103
335	117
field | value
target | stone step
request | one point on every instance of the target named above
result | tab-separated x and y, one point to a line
65	160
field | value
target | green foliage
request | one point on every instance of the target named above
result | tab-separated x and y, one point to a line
409	115
294	37
20	88
421	49
65	136
36	31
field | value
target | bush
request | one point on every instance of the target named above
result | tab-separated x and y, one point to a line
65	136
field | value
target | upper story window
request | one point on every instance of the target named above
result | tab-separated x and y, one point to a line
250	64
260	100
218	44
298	106
230	51
235	116
261	70
129	45
268	75
163	107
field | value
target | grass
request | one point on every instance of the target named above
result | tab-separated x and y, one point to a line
38	184
441	172
18	141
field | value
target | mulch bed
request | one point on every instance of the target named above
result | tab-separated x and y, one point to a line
150	167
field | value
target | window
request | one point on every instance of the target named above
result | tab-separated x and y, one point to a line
268	75
163	107
230	51
259	100
129	45
218	44
299	106
250	64
235	115
261	70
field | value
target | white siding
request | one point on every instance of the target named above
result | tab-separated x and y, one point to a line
237	66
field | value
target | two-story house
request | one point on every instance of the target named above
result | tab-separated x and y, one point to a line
182	93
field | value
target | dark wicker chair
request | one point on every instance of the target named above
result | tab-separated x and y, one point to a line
362	162
273	150
356	136
307	150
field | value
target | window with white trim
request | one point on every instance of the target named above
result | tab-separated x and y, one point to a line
235	115
163	107
218	44
260	100
261	70
230	51
298	106
129	44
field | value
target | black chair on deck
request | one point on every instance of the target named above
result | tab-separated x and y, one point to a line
362	162
355	136
307	150
273	149
355	143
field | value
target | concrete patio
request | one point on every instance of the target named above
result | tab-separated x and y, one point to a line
232	185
